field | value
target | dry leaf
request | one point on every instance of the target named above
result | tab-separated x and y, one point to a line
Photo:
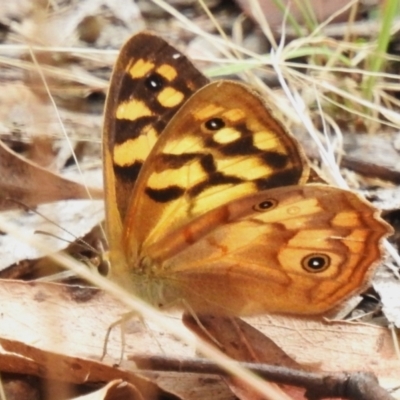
388	288
31	185
333	346
66	320
62	325
23	359
115	390
242	342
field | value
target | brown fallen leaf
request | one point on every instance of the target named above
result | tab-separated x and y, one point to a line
30	185
336	345
244	343
114	390
240	340
23	359
64	321
387	285
333	345
73	321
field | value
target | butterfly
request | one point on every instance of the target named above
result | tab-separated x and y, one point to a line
207	200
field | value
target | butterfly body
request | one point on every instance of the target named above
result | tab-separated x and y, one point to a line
208	206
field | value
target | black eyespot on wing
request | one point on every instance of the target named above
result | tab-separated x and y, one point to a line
214	124
155	82
316	262
265	205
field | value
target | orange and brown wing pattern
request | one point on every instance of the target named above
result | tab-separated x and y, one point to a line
292	250
150	82
223	143
221	215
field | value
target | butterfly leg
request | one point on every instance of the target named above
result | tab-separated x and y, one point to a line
122	322
119	322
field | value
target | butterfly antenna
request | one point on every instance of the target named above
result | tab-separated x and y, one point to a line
80	242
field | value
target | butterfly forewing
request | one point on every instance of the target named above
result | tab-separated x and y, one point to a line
146	90
223	143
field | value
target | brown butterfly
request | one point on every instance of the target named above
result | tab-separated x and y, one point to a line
207	204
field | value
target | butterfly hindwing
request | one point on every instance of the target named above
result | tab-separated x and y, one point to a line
295	249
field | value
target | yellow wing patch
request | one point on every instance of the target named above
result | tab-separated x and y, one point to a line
140	68
167	71
133	110
170	97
